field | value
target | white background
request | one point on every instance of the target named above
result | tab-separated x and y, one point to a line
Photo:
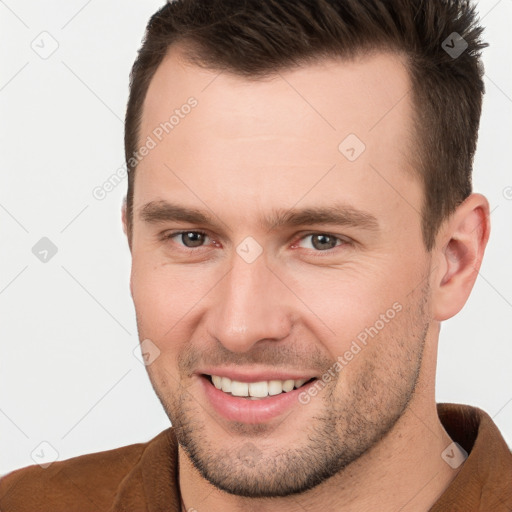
68	375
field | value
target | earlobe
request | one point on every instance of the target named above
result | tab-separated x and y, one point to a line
459	255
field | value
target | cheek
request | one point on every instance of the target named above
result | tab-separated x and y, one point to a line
353	303
166	296
156	295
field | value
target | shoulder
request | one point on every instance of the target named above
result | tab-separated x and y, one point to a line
86	482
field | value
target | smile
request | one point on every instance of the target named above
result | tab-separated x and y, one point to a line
237	401
255	390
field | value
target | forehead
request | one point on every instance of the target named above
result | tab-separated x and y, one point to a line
289	136
333	95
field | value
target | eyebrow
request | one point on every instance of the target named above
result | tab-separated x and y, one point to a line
156	212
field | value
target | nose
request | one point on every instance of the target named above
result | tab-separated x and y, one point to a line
251	305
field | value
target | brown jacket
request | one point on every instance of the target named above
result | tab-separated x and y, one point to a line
144	477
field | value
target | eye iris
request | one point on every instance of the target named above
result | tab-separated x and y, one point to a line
325	239
196	239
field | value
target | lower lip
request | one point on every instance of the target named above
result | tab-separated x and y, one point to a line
246	410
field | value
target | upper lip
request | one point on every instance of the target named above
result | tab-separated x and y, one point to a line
250	375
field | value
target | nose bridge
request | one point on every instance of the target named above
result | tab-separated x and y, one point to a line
251	306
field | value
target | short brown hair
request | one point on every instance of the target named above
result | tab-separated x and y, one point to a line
256	38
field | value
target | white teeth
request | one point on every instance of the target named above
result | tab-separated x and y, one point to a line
259	389
217	381
239	388
288	385
255	390
275	387
226	385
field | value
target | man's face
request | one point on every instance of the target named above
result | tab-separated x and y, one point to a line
255	301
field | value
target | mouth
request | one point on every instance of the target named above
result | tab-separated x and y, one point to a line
253	402
255	390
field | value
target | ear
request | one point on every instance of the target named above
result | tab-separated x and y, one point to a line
458	255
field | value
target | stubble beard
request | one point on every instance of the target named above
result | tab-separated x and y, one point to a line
356	415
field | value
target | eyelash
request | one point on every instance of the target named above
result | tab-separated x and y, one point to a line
169	236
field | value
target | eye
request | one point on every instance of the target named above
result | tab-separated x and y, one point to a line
321	242
189	239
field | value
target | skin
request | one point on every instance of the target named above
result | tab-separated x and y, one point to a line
371	438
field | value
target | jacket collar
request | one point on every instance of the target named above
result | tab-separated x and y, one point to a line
483	483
